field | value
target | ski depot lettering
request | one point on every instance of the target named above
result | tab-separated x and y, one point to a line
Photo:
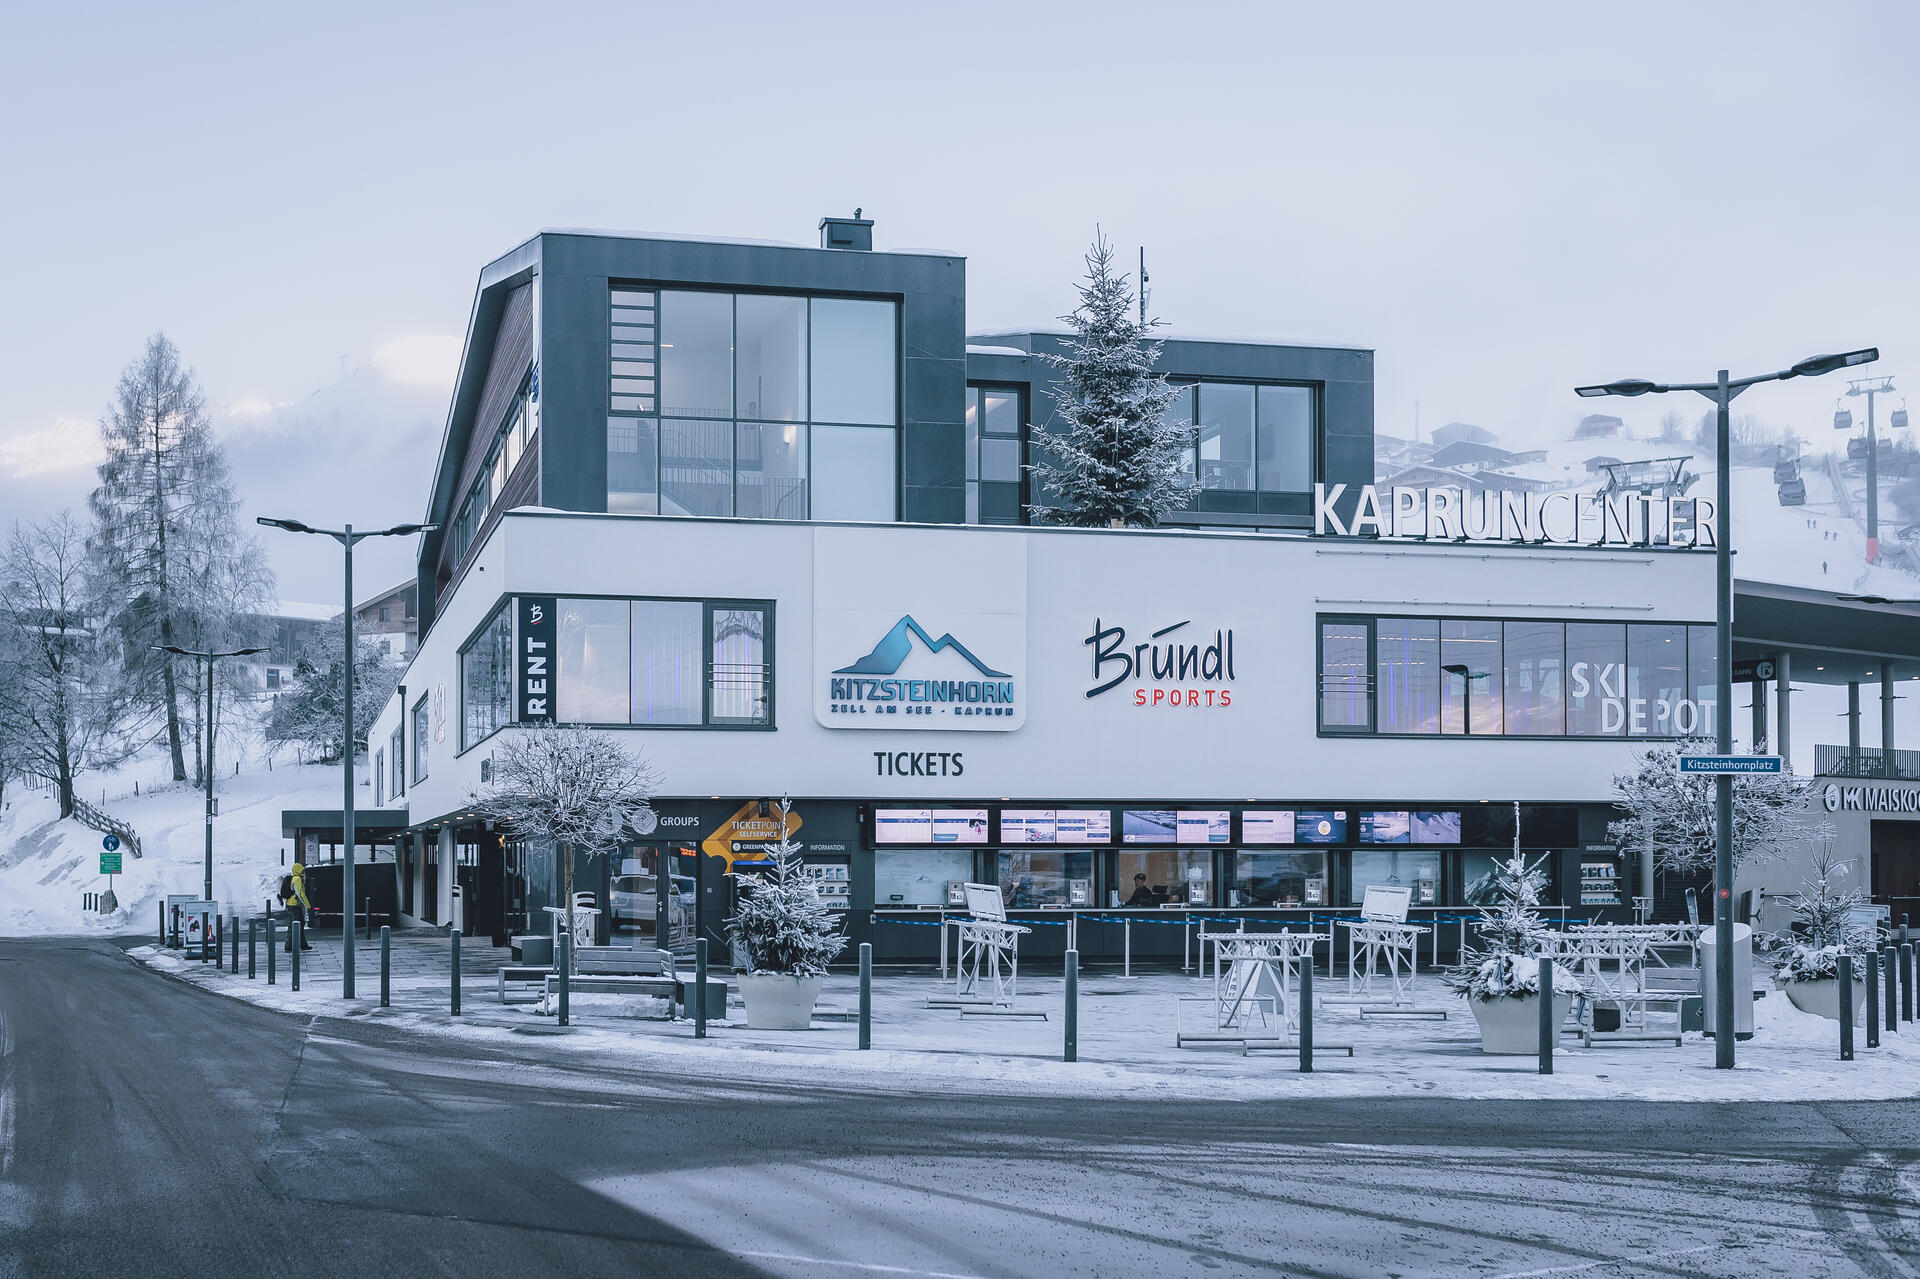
1637	716
1186	670
1446	514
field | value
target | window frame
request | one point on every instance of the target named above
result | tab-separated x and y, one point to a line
460	667
397	741
976	393
1275	499
417	769
711	605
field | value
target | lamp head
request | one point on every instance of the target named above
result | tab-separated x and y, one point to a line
1814	366
1628	386
292	526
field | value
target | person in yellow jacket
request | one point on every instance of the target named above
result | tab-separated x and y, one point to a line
296	899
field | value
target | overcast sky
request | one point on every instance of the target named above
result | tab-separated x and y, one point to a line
1502	200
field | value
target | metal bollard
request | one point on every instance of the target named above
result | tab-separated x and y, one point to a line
700	988
236	945
206	937
1906	981
386	966
562	968
253	947
163	922
1306	1011
1126	947
1892	975
1547	1006
1072	1052
1846	1006
866	994
294	947
176	928
454	938
1872	966
273	951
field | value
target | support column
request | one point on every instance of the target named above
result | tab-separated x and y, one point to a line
1783	702
419	872
1759	714
447	872
1886	717
1853	718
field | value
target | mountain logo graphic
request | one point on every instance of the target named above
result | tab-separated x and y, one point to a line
897	645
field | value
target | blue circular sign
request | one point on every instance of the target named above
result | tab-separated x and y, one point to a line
110	843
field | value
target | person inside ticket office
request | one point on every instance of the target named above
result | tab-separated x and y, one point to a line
1142	895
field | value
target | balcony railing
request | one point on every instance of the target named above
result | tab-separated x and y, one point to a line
1868	761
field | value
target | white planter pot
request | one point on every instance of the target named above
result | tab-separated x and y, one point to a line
1822	998
1510	1025
780	1001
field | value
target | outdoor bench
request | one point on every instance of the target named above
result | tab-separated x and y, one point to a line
673	989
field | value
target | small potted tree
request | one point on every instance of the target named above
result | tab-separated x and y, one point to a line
1501	981
1808	963
787	934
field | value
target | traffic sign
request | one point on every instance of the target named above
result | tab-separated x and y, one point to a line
1734	764
110	842
109	862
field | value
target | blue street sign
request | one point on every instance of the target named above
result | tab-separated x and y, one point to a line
1731	764
110	843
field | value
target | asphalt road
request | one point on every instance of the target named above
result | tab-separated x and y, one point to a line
150	1128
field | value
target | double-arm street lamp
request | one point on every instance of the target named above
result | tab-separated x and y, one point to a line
207	737
1722	392
347	538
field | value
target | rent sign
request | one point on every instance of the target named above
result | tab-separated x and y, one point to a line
533	639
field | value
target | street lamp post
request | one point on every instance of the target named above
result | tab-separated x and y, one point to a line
1722	392
206	734
347	538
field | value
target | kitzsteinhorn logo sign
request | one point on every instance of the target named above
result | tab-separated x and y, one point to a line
876	685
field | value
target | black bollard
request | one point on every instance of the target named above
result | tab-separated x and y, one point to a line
295	943
253	947
1306	1012
866	995
163	922
206	937
386	966
1073	1007
1547	1028
273	951
1871	963
562	966
1906	981
234	921
1892	976
700	988
1846	1006
454	937
176	928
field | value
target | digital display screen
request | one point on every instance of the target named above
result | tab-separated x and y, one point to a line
1266	826
1083	826
1386	826
1436	826
1204	826
903	826
1148	826
1326	827
959	825
1026	825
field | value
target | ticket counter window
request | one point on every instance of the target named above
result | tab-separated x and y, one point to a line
1279	879
1415	869
1032	880
918	877
1173	878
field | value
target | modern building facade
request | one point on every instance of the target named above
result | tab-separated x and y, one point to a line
761	510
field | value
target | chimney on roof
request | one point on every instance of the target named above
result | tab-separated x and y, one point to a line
855	232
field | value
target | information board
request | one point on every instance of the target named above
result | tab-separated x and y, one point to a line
959	825
903	826
1266	826
1026	825
1204	826
1083	826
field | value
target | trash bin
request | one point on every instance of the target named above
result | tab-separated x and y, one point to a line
1742	979
535	952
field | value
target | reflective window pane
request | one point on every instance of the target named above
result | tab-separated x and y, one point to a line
591	662
1278	879
999	459
1180	413
741	675
667	669
1346	684
853	474
853	361
770	358
919	877
1656	678
973	434
1470	677
633	465
1226	436
1535	653
696	468
1407	676
696	354
1596	679
486	680
1029	880
1164	877
1395	868
1286	439
771	464
1002	412
1703	684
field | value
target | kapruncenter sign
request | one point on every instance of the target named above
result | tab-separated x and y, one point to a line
1443	513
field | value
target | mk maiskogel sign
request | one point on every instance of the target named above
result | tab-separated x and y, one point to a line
1443	513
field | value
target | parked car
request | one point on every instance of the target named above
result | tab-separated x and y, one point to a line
636	898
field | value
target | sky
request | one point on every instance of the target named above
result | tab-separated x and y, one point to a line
1503	200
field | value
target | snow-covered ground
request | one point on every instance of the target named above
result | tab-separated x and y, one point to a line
1126	1041
47	865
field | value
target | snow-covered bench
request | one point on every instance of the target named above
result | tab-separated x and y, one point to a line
674	989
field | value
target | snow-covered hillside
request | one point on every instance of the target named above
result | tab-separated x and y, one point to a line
47	865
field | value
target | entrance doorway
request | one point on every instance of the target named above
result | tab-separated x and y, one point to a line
640	913
1896	867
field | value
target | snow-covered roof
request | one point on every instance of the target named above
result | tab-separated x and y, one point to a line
997	350
612	234
1172	333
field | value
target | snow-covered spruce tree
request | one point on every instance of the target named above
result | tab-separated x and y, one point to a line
1821	908
1674	811
781	923
1512	935
571	787
1110	456
309	714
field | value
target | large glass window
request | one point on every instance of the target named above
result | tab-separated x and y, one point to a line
1248	436
1286	439
667	674
1416	869
995	445
1470	677
741	380
397	751
1038	878
918	877
1165	877
740	672
664	663
1407	675
1596	676
422	729
1656	679
1346	677
1226	436
590	662
1279	879
486	679
1702	684
1535	658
